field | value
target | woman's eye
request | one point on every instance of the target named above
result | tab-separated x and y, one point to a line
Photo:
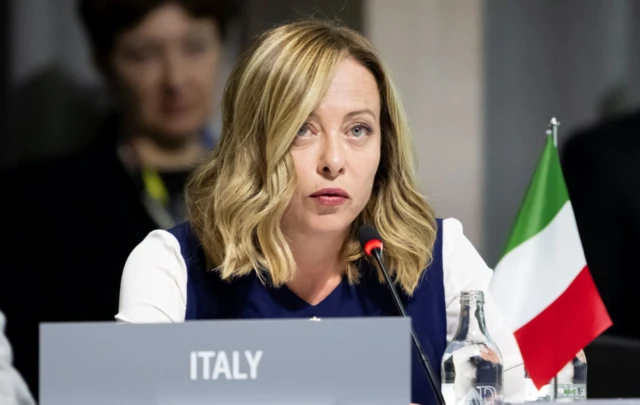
359	130
302	131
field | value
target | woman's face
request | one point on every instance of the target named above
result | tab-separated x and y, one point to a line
336	155
165	69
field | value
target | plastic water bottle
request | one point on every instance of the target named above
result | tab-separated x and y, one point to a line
571	381
472	369
532	394
569	385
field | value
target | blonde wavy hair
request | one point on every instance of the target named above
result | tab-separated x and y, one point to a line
237	198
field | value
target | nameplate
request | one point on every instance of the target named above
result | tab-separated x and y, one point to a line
288	361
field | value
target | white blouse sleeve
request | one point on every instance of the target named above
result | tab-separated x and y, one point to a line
13	389
464	269
154	282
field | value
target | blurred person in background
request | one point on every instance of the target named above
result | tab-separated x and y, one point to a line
74	220
601	165
13	389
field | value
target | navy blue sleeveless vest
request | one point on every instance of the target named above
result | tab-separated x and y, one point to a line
208	297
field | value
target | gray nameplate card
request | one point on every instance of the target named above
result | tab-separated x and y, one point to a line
288	361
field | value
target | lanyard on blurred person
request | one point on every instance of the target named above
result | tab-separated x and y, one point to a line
156	197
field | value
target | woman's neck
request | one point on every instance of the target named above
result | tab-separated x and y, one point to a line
149	152
320	266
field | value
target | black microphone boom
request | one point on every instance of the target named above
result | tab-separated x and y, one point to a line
372	244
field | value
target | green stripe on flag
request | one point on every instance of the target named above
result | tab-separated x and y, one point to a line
546	195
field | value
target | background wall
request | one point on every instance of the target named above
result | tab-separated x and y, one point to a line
263	14
53	87
434	49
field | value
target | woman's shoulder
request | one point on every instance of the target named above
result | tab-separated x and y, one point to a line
155	276
451	226
159	244
453	258
453	238
463	266
180	239
175	250
183	232
448	229
456	258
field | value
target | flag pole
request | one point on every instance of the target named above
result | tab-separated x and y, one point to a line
553	130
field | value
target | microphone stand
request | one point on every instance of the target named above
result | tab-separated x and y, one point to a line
377	253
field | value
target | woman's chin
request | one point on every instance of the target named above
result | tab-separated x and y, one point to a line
324	225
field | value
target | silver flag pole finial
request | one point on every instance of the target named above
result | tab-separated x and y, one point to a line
553	130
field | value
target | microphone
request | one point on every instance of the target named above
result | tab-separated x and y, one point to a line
372	244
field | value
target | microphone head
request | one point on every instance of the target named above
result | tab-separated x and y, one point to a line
369	238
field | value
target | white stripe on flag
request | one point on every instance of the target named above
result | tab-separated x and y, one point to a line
533	275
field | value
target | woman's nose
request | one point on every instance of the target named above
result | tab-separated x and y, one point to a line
333	156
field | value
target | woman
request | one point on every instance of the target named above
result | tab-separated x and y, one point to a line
314	143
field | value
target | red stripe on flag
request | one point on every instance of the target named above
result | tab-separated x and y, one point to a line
551	339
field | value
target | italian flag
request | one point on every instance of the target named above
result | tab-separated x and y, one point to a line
542	283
